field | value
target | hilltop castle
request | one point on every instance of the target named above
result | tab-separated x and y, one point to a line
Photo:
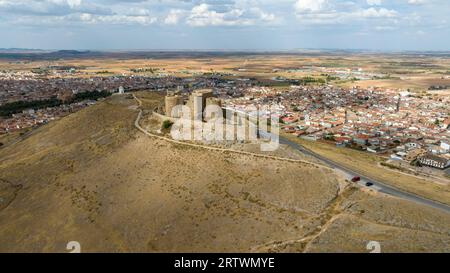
197	102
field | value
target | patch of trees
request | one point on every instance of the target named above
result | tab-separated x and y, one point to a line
142	70
309	80
95	95
18	106
439	87
330	78
11	108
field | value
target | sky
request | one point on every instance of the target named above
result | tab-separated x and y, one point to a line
385	25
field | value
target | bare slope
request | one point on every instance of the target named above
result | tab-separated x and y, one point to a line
91	177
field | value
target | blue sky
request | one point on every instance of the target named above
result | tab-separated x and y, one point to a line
225	24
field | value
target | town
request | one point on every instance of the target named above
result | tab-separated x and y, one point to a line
402	125
405	127
30	88
246	128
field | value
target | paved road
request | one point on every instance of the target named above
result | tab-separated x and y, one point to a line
379	186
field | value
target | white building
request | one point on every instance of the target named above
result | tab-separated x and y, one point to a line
445	146
434	161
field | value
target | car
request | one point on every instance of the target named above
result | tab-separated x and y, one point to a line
369	184
356	179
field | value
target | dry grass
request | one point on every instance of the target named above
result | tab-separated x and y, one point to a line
368	165
91	177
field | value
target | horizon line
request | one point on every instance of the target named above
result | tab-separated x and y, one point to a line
224	50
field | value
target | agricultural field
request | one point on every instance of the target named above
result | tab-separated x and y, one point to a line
414	71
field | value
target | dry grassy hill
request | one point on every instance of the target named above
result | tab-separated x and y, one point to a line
92	177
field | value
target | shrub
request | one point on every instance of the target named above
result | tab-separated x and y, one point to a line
167	124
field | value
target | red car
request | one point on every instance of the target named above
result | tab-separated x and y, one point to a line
356	179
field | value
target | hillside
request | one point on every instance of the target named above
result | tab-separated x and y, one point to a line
92	177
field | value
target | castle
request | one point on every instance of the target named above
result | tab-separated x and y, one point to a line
197	102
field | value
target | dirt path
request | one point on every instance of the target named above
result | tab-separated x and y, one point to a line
138	126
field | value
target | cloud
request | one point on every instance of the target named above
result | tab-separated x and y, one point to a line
324	12
51	7
385	28
303	6
115	19
264	16
202	15
79	19
416	2
374	2
70	3
174	16
58	12
376	13
247	22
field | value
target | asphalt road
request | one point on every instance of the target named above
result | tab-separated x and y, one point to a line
379	186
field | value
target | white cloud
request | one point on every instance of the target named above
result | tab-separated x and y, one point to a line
342	15
420	32
70	3
385	28
376	13
374	2
267	17
304	6
50	7
115	19
323	12
202	15
416	2
174	16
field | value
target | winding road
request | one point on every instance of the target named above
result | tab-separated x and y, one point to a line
377	185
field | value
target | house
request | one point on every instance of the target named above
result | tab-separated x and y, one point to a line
326	124
396	157
311	137
342	140
361	139
400	148
445	146
412	145
434	161
374	149
438	149
414	154
445	124
288	120
289	129
374	141
299	133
